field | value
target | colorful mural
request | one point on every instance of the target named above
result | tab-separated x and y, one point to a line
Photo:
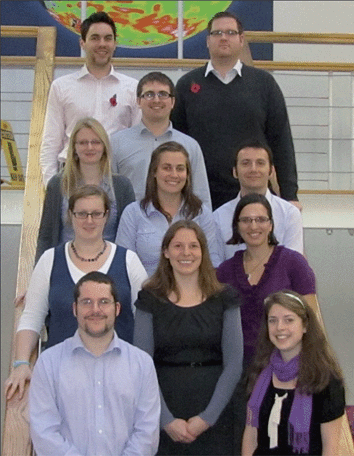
145	29
141	24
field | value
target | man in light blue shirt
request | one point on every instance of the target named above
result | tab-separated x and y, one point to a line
94	394
253	166
132	147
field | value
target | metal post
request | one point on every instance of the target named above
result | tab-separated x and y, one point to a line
83	17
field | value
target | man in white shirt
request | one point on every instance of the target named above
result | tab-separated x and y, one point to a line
94	394
132	148
97	90
253	166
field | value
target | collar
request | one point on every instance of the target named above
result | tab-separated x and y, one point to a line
268	195
151	209
77	344
237	67
142	128
84	72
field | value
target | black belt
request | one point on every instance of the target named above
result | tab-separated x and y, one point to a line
193	364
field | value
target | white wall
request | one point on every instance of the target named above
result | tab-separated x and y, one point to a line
314	17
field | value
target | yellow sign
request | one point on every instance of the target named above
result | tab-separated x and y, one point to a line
12	156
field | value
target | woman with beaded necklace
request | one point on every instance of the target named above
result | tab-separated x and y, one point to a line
50	293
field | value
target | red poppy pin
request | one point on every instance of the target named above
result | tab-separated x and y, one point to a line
195	87
113	100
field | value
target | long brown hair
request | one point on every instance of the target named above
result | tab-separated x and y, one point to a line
192	204
163	282
317	359
72	174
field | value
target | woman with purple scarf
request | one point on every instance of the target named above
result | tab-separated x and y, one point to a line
296	384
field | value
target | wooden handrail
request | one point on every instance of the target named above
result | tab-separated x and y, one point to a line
16	439
251	36
182	63
299	38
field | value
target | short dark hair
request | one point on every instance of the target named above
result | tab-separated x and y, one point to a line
94	19
255	144
97	277
222	14
155	76
251	198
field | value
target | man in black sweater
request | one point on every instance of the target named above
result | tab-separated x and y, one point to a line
226	103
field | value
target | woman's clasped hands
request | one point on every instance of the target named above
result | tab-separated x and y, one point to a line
186	431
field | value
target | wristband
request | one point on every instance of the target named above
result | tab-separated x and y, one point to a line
19	363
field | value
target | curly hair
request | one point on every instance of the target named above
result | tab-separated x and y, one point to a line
317	359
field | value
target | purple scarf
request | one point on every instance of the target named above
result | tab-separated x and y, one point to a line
301	409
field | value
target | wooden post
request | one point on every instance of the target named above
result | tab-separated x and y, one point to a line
16	439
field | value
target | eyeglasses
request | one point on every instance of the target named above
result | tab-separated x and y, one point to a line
249	220
85	143
150	95
89	303
220	33
95	215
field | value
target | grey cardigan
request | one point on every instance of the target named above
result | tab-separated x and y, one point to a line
51	223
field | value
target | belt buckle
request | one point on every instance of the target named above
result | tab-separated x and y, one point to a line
196	364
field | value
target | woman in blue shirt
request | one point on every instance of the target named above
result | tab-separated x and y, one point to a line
168	198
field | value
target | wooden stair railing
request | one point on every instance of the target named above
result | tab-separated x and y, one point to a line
16	439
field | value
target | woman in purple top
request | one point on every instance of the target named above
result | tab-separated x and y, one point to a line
263	268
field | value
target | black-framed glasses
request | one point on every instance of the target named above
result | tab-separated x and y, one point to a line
95	214
150	95
259	220
220	33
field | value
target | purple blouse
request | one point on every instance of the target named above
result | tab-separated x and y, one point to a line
286	269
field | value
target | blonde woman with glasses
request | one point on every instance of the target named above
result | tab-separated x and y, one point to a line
88	163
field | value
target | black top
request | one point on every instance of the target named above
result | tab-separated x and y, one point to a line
221	116
327	405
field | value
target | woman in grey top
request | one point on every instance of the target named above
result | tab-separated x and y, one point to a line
88	162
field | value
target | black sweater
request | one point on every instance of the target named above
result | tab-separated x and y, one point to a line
221	116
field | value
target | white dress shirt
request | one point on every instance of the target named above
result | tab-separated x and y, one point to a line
86	405
80	94
287	225
230	75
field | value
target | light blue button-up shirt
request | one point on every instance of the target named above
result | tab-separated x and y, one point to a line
143	232
81	404
131	155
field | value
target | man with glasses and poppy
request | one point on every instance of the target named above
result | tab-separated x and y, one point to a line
132	148
253	167
96	90
226	102
94	394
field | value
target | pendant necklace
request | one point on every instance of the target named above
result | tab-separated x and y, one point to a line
89	259
248	274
